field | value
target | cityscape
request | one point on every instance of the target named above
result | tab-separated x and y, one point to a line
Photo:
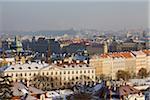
79	50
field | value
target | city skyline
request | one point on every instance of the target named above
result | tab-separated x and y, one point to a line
37	16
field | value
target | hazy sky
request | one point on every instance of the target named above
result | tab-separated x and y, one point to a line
34	16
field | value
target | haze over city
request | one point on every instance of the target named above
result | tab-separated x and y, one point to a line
99	15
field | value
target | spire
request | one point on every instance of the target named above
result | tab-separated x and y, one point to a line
105	47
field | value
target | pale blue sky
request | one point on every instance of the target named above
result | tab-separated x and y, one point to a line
111	15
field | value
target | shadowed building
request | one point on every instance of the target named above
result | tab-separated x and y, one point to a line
16	45
41	45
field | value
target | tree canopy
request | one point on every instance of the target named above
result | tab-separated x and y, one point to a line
125	75
143	73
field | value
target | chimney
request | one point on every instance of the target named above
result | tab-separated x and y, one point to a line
69	61
39	62
29	62
85	61
55	62
43	62
77	61
60	62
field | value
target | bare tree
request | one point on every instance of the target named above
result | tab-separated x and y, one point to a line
125	75
46	83
5	87
143	73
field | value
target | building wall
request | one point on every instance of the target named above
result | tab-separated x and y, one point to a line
107	67
140	62
103	66
148	62
97	64
21	75
130	65
59	76
118	64
77	75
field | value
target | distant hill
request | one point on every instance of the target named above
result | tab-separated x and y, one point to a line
53	33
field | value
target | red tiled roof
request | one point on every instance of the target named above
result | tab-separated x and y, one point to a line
104	55
147	52
127	90
126	54
116	55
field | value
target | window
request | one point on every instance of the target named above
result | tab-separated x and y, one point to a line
20	67
73	78
68	72
76	72
76	77
16	74
47	73
36	67
56	73
25	74
34	74
88	71
51	79
60	73
52	84
21	74
92	77
81	72
29	74
64	72
124	90
84	71
29	67
43	73
92	71
72	72
51	73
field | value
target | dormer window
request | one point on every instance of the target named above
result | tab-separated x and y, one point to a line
36	67
29	67
20	67
12	68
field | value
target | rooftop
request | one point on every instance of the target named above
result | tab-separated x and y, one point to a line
147	52
27	66
136	53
